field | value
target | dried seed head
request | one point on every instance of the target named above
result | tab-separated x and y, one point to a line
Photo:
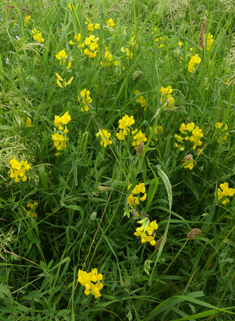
135	213
231	60
137	75
193	233
201	35
158	243
188	158
102	188
140	148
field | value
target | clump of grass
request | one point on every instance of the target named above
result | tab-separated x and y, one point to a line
116	169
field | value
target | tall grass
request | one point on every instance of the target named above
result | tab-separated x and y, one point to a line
84	196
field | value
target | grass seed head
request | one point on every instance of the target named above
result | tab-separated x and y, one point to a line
202	32
193	233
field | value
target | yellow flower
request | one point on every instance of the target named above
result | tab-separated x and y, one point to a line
166	96
32	206
137	138
127	52
209	41
70	7
85	94
77	37
160	41
120	135
60	139
141	100
224	190
190	165
90	27
148	226
134	200
59	142
91	282
37	35
190	126
195	60
65	119
69	64
27	20
179	138
219	125
110	23
104	135
28	122
126	121
59	79
116	63
18	169
61	56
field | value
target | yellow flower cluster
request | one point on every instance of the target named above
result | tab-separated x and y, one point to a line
219	125
209	40
60	139
32	206
27	20
166	96
133	42
104	135
133	200
107	57
138	138
37	36
28	122
224	190
77	38
160	42
148	227
195	60
110	23
59	79
62	56
91	282
141	100
186	130
127	53
92	46
160	128
85	95
18	169
90	26
124	125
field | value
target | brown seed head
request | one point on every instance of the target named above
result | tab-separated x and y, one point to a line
188	158
140	148
193	233
201	35
134	213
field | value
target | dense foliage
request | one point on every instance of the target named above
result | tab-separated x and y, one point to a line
117	160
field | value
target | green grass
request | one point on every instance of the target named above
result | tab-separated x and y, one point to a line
85	219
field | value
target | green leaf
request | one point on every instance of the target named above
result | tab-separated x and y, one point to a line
43	177
167	184
75	208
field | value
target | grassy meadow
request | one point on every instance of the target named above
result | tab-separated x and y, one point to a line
117	149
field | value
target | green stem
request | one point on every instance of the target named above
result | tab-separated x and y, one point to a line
175	257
